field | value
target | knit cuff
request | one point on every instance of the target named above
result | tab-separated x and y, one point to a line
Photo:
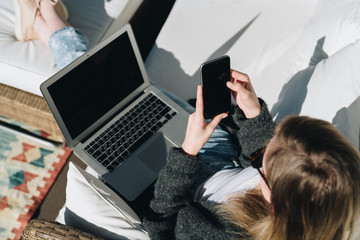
180	160
256	131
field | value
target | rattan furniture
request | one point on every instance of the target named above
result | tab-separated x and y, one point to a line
42	229
27	108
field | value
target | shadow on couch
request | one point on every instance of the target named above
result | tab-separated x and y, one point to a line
293	93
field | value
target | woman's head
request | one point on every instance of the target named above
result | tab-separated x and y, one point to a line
314	174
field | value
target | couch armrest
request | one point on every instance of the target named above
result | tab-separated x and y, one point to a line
44	229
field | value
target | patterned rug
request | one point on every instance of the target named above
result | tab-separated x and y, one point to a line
27	171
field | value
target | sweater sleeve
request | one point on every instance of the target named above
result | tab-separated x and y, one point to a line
251	134
172	193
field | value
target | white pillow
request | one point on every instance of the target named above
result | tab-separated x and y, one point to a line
333	92
328	89
93	207
338	21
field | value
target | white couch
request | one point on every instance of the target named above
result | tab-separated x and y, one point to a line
271	40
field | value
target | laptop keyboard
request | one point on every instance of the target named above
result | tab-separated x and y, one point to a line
123	137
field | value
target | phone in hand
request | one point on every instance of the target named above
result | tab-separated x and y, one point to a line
217	97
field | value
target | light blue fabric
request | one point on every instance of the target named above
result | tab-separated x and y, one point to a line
219	152
66	45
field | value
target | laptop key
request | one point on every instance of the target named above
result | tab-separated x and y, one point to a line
126	144
102	157
125	154
154	128
111	158
100	142
117	162
96	146
113	140
107	144
164	112
140	141
110	168
90	151
102	148
96	154
113	147
159	124
105	163
117	153
109	152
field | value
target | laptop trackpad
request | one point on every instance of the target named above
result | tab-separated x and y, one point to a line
154	156
138	172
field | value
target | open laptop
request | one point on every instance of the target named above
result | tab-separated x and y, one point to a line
112	118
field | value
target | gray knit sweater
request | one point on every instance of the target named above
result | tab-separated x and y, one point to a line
174	214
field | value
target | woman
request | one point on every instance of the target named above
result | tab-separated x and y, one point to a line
309	187
312	171
310	175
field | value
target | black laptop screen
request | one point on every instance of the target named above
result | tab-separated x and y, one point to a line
98	84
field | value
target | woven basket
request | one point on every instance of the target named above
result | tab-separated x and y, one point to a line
27	108
43	229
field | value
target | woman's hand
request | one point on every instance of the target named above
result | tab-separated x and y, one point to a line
244	94
198	130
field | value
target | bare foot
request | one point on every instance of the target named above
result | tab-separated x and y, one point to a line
49	21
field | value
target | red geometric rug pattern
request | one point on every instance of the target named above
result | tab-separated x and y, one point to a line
27	171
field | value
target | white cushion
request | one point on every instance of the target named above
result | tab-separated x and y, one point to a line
326	79
93	207
329	90
337	21
334	91
25	65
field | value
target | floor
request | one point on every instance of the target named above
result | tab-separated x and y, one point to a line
146	24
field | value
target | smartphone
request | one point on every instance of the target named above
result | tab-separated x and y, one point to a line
217	96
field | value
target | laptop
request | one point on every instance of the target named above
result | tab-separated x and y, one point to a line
112	117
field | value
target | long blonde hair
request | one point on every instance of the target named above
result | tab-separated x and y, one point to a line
314	176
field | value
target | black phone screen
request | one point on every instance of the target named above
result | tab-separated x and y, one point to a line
216	95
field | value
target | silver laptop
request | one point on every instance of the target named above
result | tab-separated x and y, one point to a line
112	118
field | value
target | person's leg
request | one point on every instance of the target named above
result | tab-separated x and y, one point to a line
26	12
66	45
65	42
48	21
219	153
